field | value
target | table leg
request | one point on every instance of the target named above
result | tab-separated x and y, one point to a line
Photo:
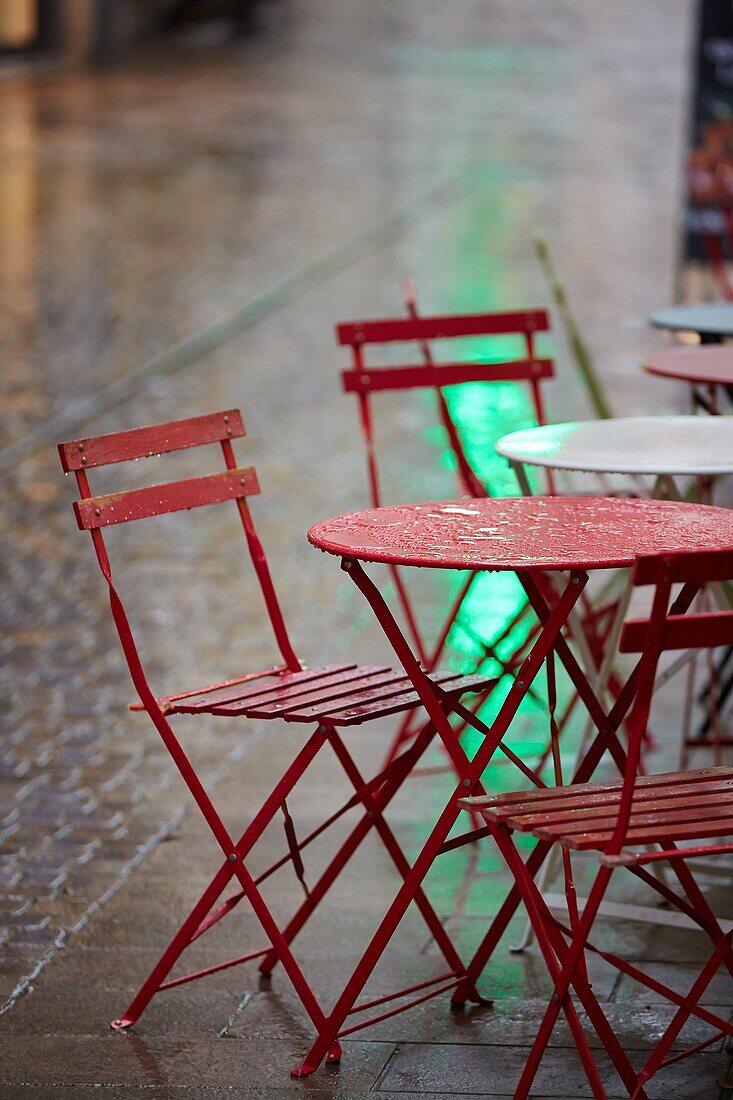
520	472
438	705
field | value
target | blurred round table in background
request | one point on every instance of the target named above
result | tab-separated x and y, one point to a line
712	321
663	447
709	367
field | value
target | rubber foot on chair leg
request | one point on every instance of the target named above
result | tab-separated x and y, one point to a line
121	1023
334	1055
267	965
472	995
302	1071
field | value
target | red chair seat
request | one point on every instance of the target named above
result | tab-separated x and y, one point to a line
337	695
670	807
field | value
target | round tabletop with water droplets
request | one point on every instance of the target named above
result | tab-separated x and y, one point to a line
524	533
655	445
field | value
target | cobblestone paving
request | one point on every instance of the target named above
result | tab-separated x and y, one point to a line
179	235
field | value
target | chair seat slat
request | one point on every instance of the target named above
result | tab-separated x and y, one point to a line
396	686
653	834
206	701
646	813
326	696
590	790
555	809
381	707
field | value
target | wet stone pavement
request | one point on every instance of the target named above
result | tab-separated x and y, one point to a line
179	235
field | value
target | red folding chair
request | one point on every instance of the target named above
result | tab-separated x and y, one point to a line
631	824
327	697
366	381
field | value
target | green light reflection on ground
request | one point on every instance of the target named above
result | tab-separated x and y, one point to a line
483	413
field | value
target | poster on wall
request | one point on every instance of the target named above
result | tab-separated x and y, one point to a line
709	169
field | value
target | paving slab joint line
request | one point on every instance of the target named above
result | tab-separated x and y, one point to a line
62	938
380	1076
212	779
244	1001
201	343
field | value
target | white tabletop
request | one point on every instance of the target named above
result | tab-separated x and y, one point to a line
657	445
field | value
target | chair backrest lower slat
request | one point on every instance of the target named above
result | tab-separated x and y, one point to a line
438	328
374	379
103	450
156	500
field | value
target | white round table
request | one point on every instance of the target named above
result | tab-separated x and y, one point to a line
663	446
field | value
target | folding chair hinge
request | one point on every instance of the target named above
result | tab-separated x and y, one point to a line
623	859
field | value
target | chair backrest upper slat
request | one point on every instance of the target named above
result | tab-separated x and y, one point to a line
103	450
156	500
373	379
693	631
693	567
437	328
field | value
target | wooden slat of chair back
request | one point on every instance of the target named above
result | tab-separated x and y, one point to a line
177	435
389	330
374	379
705	630
156	500
694	567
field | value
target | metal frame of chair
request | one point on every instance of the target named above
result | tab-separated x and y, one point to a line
366	381
634	823
327	697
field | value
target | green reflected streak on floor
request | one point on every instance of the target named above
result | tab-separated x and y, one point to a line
483	413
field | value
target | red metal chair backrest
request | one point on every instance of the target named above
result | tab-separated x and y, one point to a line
93	513
668	627
365	380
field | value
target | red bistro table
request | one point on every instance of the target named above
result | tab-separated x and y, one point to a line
705	368
528	536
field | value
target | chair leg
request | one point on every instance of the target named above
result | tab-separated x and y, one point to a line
496	929
175	948
328	1034
701	906
375	804
187	931
556	954
564	979
375	812
683	1013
